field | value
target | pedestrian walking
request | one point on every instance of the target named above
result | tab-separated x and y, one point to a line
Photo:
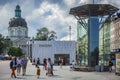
48	67
61	63
18	66
13	64
33	62
73	65
51	63
38	61
38	72
45	64
24	65
110	65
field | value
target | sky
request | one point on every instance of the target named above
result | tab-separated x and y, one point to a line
53	14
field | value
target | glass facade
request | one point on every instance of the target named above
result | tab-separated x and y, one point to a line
101	50
96	44
104	45
88	42
93	41
82	41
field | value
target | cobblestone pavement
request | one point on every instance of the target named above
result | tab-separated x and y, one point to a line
60	74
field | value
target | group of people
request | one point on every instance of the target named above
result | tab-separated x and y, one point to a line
36	61
17	64
47	65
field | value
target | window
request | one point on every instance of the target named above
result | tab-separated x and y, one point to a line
12	32
19	33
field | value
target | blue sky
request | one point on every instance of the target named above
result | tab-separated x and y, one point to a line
53	14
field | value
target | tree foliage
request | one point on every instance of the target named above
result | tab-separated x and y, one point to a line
45	34
5	43
1	44
13	51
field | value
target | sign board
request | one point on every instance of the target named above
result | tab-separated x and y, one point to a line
118	63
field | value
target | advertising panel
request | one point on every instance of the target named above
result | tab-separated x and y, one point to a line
118	63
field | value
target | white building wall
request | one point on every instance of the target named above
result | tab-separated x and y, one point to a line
47	49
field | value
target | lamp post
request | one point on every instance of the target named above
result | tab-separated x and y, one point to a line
70	33
28	44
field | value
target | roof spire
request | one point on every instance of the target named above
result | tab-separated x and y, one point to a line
17	11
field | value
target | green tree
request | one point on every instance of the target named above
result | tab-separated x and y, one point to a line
52	35
45	34
13	51
5	43
19	51
1	43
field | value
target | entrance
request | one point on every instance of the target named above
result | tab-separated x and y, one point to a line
64	57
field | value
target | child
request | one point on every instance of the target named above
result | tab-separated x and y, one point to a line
38	72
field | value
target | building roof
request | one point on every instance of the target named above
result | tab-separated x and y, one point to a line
93	10
17	21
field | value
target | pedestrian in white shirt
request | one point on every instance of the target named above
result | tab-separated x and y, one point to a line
18	66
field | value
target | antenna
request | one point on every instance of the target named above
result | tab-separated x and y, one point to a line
93	1
70	33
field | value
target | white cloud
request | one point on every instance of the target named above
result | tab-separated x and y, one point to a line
69	2
84	2
57	20
47	14
5	13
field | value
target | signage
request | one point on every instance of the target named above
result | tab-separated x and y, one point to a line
45	45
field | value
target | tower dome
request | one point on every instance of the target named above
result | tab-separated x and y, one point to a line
17	20
17	26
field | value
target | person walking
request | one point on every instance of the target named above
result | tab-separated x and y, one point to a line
13	64
24	65
73	64
38	72
33	62
61	63
38	61
48	67
18	66
51	64
110	65
45	64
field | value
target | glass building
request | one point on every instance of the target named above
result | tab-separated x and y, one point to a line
82	41
88	16
88	42
93	41
104	44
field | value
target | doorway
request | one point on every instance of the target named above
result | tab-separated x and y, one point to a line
64	57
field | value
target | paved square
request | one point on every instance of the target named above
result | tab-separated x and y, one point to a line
59	74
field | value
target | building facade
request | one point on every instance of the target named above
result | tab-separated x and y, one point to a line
109	39
82	45
18	30
55	50
115	35
104	42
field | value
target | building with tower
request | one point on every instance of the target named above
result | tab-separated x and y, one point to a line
18	30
